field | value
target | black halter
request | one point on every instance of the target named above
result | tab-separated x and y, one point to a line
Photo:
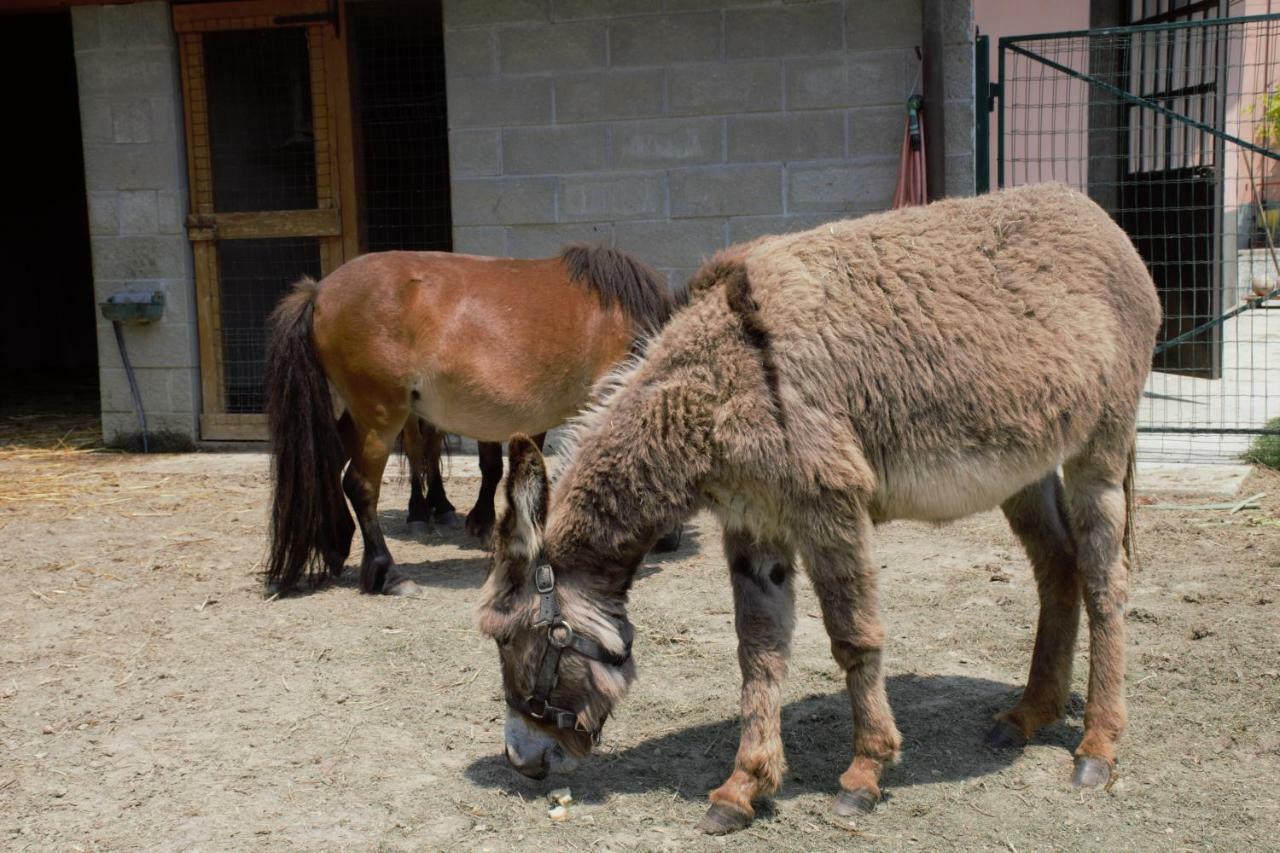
559	638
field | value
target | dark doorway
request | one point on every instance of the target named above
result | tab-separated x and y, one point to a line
401	128
48	343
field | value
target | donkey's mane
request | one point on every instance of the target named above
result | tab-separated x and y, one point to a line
618	278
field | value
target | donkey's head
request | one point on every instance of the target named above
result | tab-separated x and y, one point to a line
564	647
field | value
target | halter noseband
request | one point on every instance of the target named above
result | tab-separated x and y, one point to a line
560	636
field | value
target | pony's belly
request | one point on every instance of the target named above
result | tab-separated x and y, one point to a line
940	491
485	422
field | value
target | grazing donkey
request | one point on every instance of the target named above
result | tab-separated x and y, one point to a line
924	364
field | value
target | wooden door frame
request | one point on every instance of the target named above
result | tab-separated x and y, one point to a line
334	220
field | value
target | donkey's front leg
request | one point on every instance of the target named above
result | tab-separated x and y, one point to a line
844	580
764	605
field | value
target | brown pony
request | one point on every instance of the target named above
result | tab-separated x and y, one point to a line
429	342
924	364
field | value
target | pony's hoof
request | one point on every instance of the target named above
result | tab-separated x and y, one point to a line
479	527
1005	735
1090	772
399	584
854	803
722	820
449	520
419	529
669	541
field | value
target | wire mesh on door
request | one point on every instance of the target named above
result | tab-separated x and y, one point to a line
1165	125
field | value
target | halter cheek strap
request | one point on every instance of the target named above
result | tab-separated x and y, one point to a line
560	637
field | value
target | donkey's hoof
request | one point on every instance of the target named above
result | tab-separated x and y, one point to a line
419	529
1005	735
853	803
722	820
1090	772
449	520
669	541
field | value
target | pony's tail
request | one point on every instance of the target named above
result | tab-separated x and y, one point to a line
1130	507
309	517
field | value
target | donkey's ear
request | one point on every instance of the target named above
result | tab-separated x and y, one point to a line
520	534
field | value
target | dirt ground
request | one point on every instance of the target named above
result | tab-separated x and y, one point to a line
150	696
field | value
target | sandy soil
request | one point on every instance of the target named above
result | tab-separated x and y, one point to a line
150	696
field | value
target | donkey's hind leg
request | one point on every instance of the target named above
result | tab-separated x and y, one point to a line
1037	515
764	604
1097	510
845	582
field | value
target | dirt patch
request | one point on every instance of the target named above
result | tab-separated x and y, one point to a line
150	696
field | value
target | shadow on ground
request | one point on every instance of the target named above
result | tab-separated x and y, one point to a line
943	720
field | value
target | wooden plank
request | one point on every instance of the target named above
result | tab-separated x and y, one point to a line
254	225
338	86
247	14
226	427
211	387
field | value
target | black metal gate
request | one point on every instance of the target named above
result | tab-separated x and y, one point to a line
1165	124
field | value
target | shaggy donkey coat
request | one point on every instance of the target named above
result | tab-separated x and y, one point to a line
927	364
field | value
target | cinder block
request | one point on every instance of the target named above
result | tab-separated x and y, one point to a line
169	343
470	13
164	119
960	178
554	150
664	39
86	27
474	153
470	53
735	87
567	10
132	73
959	127
131	121
138	212
499	101
503	201
726	191
146	166
787	136
957	71
876	131
957	22
846	188
163	390
134	258
103	214
662	143
864	78
95	117
702	5
744	228
874	24
555	47
170	213
604	95
681	244
612	197
137	25
481	240
544	241
793	30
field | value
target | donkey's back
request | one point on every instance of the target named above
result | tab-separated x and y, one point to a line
967	348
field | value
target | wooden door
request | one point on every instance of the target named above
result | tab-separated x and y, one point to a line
272	189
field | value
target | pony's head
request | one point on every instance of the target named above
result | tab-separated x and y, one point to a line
564	647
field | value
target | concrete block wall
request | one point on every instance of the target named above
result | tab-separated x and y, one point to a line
135	171
672	128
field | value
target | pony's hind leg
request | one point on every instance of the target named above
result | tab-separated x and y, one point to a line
1037	515
363	483
764	604
1097	511
845	582
442	511
415	439
335	556
480	519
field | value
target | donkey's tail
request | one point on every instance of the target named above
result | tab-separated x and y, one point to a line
1130	506
310	524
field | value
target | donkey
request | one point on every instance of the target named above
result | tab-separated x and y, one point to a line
424	343
922	364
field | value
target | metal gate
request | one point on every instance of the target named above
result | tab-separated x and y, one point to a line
1166	124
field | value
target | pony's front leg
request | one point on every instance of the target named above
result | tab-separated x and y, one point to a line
845	582
764	605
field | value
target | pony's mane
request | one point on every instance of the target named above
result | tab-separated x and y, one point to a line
617	278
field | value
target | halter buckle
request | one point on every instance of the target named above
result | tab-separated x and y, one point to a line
544	579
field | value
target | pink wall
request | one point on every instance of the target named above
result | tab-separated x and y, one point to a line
997	18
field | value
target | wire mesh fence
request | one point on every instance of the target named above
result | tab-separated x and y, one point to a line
1174	128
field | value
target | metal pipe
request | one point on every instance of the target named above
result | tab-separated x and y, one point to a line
133	383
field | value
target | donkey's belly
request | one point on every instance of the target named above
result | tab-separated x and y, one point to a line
945	490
